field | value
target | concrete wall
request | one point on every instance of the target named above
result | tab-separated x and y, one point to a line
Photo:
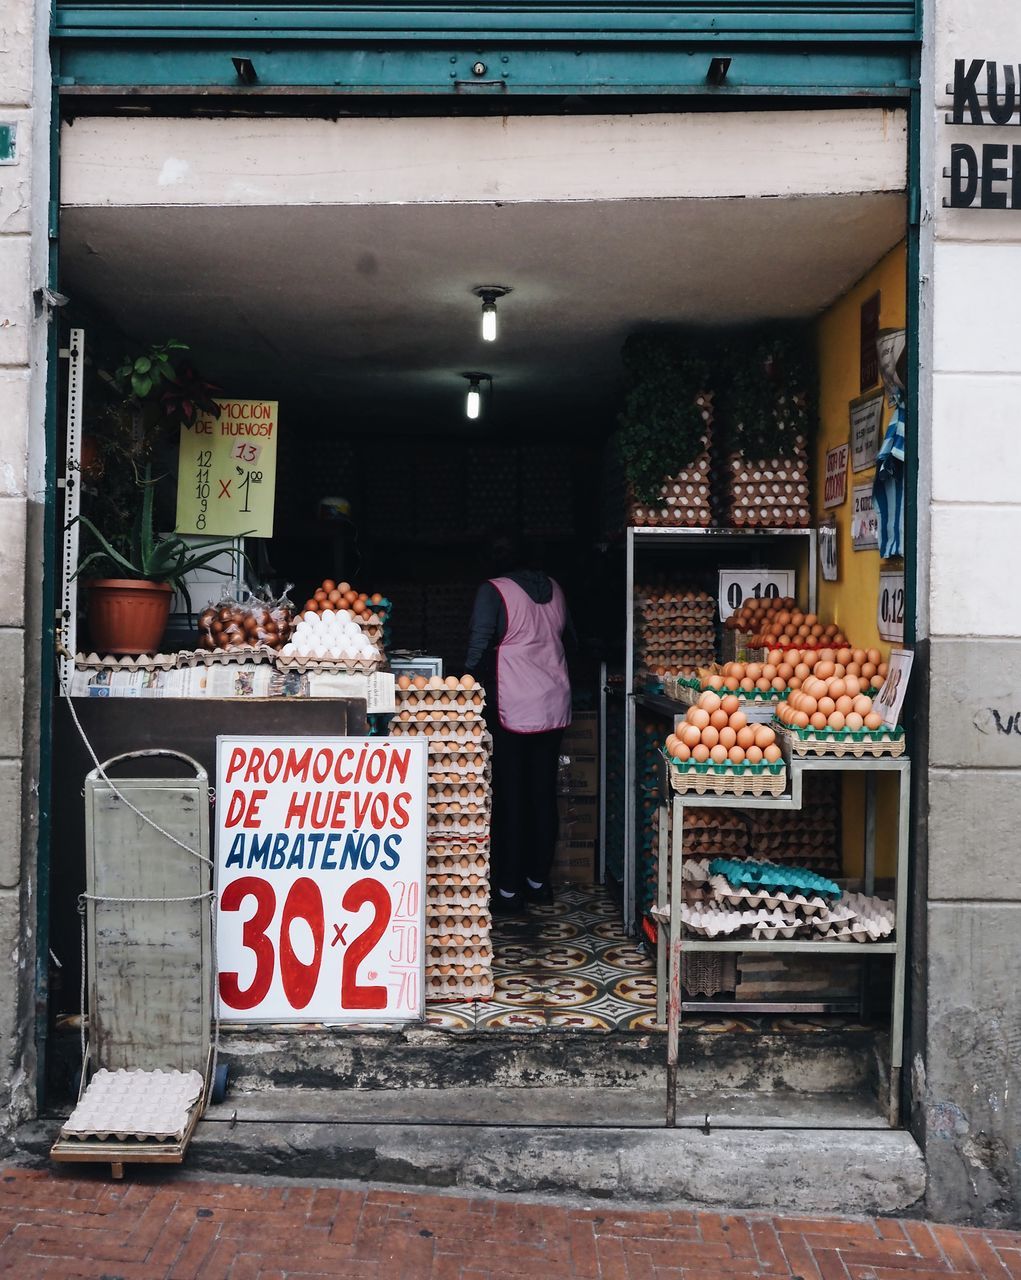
23	254
971	472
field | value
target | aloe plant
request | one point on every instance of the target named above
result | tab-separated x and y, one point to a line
151	558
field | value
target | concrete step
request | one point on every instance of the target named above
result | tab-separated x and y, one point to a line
821	1061
566	1107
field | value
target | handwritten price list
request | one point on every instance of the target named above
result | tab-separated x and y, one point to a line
226	480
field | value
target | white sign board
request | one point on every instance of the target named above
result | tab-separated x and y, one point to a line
890	697
320	879
890	610
739	585
864	519
829	554
866	430
835	480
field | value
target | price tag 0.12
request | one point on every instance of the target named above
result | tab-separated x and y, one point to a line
890	698
890	610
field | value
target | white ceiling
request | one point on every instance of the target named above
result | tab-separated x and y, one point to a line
370	308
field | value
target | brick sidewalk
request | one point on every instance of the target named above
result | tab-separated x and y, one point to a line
65	1225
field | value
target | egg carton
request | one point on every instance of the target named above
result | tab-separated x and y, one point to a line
448	987
440	716
135	1104
226	657
458	866
460	931
708	922
464	775
461	789
736	895
695	870
445	735
442	694
473	746
143	662
835	916
872	918
770	875
728	779
461	825
445	893
346	666
843	742
456	848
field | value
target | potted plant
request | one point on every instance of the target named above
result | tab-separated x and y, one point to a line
128	614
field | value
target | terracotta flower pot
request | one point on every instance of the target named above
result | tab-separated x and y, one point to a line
128	615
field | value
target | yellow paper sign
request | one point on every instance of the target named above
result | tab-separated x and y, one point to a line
226	481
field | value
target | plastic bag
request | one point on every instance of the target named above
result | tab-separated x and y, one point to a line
257	620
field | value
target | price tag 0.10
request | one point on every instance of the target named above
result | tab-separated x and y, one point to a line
739	585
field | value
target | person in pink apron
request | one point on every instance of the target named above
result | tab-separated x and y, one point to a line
516	647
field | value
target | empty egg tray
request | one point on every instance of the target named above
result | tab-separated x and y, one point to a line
769	875
450	987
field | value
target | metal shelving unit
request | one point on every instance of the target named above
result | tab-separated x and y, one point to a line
665	540
672	940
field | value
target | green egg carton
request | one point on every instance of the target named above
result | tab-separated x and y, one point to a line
768	875
842	742
760	779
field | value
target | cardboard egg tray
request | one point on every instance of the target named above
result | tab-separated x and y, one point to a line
347	666
461	825
135	1104
447	735
471	961
448	987
445	893
463	789
740	895
454	716
729	779
477	744
449	930
443	695
459	866
840	743
454	778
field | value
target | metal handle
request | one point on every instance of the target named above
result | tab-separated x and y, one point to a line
200	772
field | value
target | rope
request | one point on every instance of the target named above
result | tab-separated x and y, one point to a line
85	898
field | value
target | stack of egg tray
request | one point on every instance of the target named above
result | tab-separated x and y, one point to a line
685	499
770	493
458	947
674	629
809	836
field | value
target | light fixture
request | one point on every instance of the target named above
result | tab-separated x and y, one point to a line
489	294
473	401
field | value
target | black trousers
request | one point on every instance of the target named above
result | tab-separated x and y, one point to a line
524	824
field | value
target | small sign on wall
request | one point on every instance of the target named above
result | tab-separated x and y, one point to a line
890	609
739	585
864	519
835	481
829	563
866	414
890	698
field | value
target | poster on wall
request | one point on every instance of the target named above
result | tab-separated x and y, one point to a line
320	879
869	328
890	609
864	519
866	414
227	469
835	480
829	564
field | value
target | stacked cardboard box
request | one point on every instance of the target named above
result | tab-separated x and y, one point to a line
578	802
448	712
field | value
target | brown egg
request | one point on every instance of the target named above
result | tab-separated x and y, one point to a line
745	737
700	753
728	737
772	754
682	753
753	755
873	720
853	721
835	720
800	719
845	704
718	754
691	735
710	701
719	718
697	716
817	720
710	735
736	755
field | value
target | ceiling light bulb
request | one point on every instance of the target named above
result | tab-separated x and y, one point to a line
489	321
473	405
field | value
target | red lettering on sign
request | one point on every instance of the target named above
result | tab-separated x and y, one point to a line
353	995
253	936
304	902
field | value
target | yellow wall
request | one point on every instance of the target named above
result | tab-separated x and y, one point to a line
851	601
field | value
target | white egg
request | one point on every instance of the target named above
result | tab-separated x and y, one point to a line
344	614
302	650
311	616
327	615
288	649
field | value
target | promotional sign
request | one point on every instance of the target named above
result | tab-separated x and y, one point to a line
866	430
890	698
738	585
835	482
828	553
864	519
320	879
890	610
227	470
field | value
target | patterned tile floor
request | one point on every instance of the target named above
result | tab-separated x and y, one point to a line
564	967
